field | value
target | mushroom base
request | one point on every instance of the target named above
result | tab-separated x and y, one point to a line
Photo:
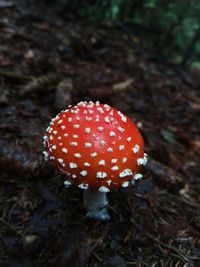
96	204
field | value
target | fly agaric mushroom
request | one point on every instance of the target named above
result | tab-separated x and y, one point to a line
99	149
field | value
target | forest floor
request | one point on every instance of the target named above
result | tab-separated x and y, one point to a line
48	62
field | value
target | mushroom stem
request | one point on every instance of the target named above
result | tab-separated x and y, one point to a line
96	204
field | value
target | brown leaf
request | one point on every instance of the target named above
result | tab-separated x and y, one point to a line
195	145
63	96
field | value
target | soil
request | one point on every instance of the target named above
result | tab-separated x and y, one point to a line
49	61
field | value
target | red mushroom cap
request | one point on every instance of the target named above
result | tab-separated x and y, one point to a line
96	146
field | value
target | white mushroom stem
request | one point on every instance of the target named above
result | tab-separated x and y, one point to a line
96	204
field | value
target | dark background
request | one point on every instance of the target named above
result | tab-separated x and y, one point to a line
141	57
171	29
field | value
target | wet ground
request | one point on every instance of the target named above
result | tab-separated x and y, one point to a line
48	62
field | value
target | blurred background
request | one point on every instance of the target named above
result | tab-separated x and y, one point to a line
171	29
139	56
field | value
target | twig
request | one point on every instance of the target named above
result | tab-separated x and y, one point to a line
166	174
39	83
97	256
14	75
